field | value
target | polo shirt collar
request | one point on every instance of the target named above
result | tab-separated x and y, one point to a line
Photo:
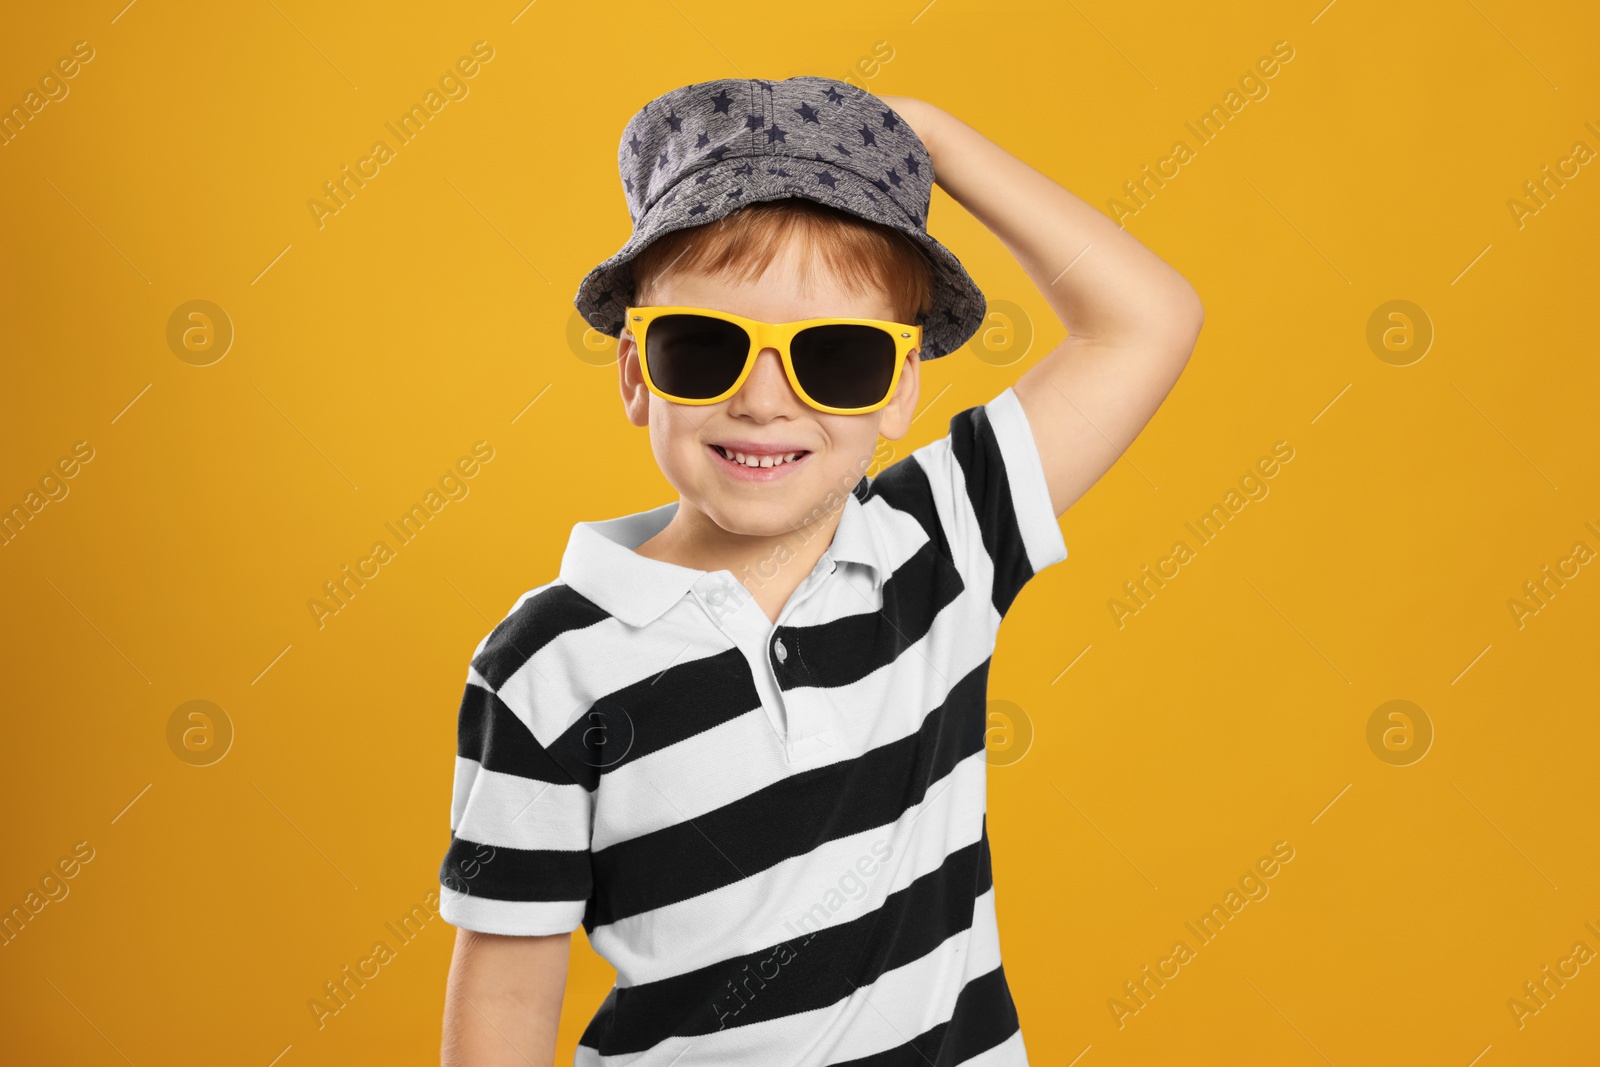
600	562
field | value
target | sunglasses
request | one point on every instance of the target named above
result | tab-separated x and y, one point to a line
843	366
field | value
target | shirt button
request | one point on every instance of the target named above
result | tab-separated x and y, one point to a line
783	653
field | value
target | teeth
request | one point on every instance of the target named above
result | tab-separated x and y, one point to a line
759	461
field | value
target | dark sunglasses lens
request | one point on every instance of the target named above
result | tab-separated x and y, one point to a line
845	365
695	356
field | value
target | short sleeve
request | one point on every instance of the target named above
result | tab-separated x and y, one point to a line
991	499
520	826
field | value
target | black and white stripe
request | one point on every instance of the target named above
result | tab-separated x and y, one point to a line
783	855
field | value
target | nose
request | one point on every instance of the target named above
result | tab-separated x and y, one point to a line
767	387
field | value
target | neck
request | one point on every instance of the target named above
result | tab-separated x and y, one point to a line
693	539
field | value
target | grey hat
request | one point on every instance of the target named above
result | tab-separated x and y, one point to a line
695	154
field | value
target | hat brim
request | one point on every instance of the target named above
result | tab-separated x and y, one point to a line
723	187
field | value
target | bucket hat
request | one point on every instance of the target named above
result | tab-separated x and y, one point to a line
697	153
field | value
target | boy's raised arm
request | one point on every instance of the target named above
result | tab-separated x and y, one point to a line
1132	319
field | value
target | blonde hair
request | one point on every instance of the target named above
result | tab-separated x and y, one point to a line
865	256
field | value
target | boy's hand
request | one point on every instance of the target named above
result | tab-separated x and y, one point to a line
1131	319
921	116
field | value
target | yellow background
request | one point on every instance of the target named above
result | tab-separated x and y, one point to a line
1227	715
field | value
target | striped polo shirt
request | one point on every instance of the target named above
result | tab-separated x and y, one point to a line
774	832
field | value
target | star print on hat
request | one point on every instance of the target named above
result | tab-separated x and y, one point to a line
695	154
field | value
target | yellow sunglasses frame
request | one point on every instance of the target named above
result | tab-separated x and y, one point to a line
765	335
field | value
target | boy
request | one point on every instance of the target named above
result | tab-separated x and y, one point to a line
740	738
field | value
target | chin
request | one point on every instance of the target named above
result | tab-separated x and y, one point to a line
766	518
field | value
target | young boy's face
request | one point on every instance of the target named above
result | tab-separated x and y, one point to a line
765	413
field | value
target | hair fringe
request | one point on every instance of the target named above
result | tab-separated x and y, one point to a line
865	256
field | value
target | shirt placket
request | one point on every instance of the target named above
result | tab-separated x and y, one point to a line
768	647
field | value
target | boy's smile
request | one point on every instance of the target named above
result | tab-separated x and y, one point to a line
759	461
762	465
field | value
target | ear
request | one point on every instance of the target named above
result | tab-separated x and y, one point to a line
635	394
897	414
